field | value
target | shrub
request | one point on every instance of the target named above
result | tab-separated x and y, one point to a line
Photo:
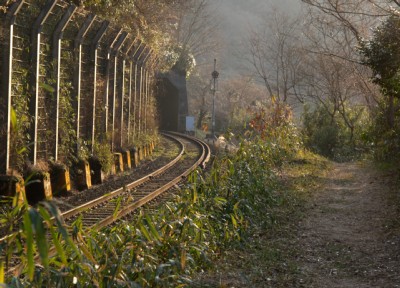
383	140
328	134
102	152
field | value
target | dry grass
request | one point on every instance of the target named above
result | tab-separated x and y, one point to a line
268	258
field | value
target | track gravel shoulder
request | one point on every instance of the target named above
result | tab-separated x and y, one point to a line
350	237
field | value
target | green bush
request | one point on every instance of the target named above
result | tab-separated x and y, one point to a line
383	139
328	134
102	151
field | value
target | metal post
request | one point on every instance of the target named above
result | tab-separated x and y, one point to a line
140	101
140	53
130	92
135	99
57	36
144	100
106	94
36	33
137	51
7	87
214	75
115	50
129	102
145	91
108	66
123	94
147	102
150	109
113	104
134	103
146	105
150	96
95	45
78	76
213	115
154	62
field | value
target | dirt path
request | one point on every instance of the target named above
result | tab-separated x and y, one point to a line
350	237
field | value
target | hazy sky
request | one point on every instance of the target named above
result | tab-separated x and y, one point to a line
236	18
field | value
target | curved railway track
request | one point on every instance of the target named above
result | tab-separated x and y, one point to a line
106	209
119	203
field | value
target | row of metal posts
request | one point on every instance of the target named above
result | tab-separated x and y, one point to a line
137	58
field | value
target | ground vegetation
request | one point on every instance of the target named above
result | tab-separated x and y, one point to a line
166	247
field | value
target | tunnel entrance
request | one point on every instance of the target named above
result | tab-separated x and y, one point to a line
168	105
172	101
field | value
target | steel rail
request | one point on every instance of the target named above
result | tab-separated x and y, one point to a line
104	210
121	190
207	150
107	197
201	161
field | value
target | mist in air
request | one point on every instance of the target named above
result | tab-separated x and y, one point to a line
236	18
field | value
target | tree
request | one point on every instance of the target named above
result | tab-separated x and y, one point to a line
276	57
316	60
235	101
382	55
199	92
181	30
332	85
355	16
196	29
337	28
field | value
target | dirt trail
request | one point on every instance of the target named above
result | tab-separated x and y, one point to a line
351	238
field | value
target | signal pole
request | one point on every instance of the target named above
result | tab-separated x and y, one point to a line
214	75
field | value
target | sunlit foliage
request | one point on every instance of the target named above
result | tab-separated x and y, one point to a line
162	248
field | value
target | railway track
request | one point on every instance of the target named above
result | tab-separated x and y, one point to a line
120	203
106	209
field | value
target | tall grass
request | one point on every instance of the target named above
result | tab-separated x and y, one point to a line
158	249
